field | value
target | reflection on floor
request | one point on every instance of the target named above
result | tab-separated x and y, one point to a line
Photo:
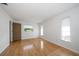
36	47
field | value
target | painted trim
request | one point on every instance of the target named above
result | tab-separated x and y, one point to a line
42	37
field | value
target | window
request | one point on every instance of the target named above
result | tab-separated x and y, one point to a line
28	28
41	30
66	30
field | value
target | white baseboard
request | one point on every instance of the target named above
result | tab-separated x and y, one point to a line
4	48
29	38
60	45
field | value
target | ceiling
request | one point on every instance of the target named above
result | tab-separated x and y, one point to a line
35	12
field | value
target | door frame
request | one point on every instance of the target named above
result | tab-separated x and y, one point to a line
10	31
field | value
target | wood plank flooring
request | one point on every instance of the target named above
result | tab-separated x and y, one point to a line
36	47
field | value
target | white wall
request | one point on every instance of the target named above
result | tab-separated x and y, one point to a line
34	34
4	30
27	35
52	29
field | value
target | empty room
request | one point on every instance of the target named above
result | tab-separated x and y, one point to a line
39	29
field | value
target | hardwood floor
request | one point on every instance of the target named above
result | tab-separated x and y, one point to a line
36	47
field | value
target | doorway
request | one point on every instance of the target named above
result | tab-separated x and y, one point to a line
16	31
